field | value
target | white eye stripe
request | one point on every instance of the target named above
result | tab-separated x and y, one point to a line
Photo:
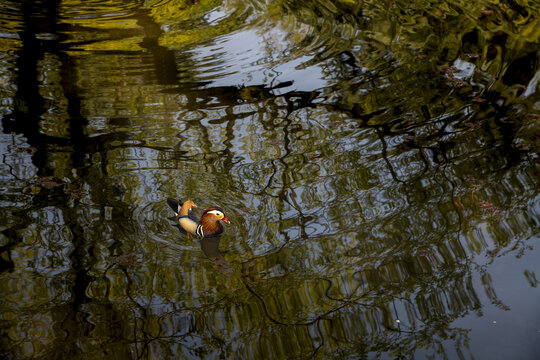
216	212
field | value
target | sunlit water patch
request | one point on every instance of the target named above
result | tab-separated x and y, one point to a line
378	163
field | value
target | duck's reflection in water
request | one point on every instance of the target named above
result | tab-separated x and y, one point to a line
210	248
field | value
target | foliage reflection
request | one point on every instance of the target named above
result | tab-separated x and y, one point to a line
376	158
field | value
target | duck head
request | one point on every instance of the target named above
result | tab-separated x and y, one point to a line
215	214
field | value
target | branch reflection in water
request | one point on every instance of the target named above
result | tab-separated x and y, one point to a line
379	162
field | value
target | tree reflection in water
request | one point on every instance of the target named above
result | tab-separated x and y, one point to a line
379	162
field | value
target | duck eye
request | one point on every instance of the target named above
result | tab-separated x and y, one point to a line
217	213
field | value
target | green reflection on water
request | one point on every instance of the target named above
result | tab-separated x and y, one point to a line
377	161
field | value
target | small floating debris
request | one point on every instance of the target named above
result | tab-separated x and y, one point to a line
478	100
485	205
76	193
127	259
49	182
29	150
486	13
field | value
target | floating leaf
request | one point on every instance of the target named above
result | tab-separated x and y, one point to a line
49	182
457	203
532	117
127	259
485	205
486	13
76	193
30	150
409	138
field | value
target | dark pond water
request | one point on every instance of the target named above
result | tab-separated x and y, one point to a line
378	161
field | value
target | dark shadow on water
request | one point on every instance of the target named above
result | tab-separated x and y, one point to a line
367	210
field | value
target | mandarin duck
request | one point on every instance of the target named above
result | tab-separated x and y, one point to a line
198	222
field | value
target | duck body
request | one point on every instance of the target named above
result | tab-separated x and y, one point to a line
196	221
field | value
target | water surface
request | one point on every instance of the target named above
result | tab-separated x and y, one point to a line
378	161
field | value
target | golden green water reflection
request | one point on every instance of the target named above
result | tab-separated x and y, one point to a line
378	162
